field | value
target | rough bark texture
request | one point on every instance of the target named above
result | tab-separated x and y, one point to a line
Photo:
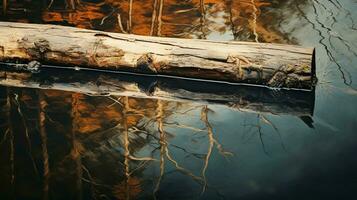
274	65
251	99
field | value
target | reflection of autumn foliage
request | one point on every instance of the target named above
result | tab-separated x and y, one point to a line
80	17
93	117
134	189
81	135
246	20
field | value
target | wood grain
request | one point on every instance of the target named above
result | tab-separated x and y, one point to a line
273	65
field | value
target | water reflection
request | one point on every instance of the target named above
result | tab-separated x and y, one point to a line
212	19
237	97
91	145
81	135
108	146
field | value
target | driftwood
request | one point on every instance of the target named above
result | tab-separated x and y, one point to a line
245	98
273	65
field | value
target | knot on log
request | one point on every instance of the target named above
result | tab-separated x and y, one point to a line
146	64
37	49
42	45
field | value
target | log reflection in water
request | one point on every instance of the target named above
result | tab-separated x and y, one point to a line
245	98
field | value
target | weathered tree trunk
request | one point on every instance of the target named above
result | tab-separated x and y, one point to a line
274	65
251	99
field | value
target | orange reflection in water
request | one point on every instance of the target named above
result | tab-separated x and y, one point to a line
247	20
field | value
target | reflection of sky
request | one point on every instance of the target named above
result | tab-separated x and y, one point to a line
253	170
309	158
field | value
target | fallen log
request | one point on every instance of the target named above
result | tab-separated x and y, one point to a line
271	65
243	98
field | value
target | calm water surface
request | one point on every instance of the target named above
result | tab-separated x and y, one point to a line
251	144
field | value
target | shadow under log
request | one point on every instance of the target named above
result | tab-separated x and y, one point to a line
244	98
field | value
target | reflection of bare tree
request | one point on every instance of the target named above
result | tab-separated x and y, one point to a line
153	18
159	18
254	21
212	141
339	6
345	75
204	118
4	7
42	130
270	123
164	150
185	19
72	4
235	30
130	13
109	136
126	149
163	145
156	18
76	146
258	126
12	110
330	30
88	142
11	136
203	19
26	131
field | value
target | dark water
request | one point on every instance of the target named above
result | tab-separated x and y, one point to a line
249	144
